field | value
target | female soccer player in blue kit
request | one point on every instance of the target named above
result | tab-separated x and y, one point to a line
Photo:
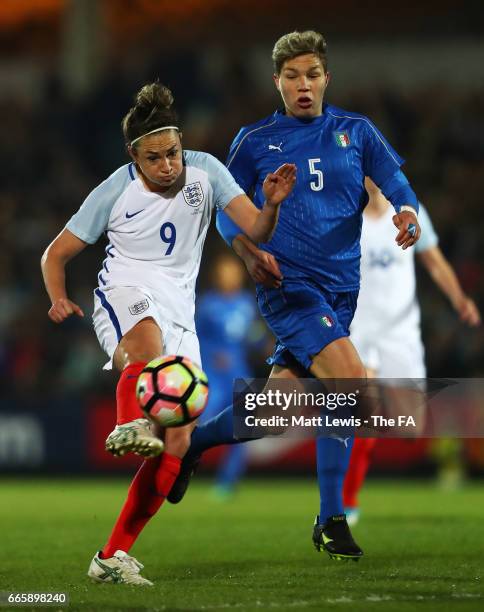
309	307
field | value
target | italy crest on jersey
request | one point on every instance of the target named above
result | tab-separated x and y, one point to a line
193	194
342	139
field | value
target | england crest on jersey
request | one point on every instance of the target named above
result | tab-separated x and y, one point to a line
193	194
139	307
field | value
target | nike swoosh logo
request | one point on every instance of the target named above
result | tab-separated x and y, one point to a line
129	216
342	440
326	540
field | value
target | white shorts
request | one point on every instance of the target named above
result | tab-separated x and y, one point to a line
392	358
119	309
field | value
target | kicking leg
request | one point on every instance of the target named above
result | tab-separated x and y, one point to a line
134	432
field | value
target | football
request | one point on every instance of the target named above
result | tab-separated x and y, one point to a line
172	390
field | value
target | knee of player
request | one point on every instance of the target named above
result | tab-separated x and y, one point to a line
142	355
126	355
141	343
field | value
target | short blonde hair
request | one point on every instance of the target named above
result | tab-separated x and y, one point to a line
296	43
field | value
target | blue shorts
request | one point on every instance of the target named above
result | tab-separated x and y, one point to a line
304	318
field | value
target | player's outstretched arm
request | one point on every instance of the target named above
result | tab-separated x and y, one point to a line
408	228
261	265
53	263
446	279
259	225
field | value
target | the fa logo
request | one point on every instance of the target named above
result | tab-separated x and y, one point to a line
139	307
193	194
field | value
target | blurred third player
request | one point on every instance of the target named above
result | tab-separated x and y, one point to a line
386	326
227	327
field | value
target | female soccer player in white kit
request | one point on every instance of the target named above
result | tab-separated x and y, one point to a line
155	212
386	326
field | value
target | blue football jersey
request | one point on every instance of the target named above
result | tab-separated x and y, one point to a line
318	234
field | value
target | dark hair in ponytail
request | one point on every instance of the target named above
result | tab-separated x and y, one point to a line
152	109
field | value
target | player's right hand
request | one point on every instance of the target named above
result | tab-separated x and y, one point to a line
406	221
263	268
63	308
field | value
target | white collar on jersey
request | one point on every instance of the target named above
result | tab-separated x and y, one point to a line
166	127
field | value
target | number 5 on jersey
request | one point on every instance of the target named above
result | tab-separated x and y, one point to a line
317	184
168	235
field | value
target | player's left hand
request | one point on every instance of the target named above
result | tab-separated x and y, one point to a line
264	269
409	229
279	184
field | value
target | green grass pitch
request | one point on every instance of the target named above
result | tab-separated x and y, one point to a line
424	548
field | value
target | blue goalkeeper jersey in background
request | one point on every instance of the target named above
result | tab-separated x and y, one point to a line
318	234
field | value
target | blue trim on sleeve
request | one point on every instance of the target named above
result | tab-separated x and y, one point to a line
131	173
227	228
112	315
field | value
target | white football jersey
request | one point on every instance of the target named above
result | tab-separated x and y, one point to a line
387	302
156	239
